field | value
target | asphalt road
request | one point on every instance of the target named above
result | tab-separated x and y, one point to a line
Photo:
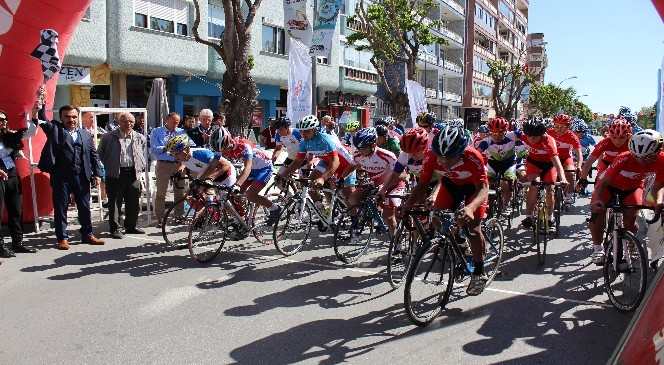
133	301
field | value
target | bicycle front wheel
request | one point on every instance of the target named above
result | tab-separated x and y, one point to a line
625	283
429	283
205	238
293	229
401	251
494	244
352	236
176	221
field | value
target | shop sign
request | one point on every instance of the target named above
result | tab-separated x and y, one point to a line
74	75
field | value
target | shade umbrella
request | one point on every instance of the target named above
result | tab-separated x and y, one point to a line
157	104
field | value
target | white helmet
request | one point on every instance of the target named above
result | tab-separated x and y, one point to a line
308	122
456	122
645	143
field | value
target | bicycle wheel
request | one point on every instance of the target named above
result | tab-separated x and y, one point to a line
495	244
175	228
402	249
352	235
292	230
429	283
558	209
256	219
206	239
626	286
537	238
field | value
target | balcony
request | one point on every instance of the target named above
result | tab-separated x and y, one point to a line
481	102
487	5
451	35
521	16
451	96
456	6
449	65
430	93
360	75
484	52
482	77
427	57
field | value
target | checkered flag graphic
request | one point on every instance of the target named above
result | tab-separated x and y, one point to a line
47	53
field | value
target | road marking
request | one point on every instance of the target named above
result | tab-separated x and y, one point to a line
555	300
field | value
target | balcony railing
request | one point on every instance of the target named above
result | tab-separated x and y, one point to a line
451	34
481	101
487	5
483	77
451	96
360	75
456	6
449	65
484	52
427	57
430	93
521	16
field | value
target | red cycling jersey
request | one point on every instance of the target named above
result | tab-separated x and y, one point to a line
565	143
607	151
544	150
627	172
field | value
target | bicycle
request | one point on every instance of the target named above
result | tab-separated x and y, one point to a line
403	247
567	203
540	225
496	204
442	260
624	256
293	227
354	233
174	227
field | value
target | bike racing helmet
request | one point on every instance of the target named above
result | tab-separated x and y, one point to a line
365	137
450	142
645	143
308	122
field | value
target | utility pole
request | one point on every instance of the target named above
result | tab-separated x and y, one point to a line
314	91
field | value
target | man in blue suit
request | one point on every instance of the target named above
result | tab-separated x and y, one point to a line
70	157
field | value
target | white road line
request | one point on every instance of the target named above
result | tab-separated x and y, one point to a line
555	300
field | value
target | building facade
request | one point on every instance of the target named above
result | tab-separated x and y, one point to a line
537	57
495	29
124	44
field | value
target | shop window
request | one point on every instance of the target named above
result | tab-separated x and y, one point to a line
274	40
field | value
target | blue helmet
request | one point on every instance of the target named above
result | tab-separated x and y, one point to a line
450	142
483	129
365	137
623	111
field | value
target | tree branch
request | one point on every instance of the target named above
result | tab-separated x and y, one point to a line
197	22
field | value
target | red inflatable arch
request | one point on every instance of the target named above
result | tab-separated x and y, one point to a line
21	22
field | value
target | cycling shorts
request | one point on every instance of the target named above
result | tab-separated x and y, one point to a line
544	170
631	197
349	180
400	189
451	195
226	179
602	165
568	163
261	175
505	168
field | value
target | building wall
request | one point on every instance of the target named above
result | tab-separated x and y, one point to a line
88	46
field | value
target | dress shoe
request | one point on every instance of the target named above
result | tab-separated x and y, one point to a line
63	245
117	235
92	240
6	251
134	231
19	248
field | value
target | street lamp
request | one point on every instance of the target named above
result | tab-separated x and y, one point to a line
567	79
582	96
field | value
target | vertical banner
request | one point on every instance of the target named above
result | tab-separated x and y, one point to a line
659	123
324	26
299	81
416	99
296	22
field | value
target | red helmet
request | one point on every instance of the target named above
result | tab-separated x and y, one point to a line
620	128
562	119
498	124
415	140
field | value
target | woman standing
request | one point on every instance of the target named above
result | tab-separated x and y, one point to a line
11	144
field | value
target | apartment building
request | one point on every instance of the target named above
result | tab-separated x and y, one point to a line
122	45
536	54
495	29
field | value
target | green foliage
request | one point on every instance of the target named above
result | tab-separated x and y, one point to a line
549	100
646	116
509	80
251	61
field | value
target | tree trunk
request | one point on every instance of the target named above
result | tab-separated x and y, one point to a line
240	91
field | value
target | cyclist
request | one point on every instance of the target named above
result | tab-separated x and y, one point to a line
413	149
607	149
378	163
499	149
334	159
202	162
464	180
626	176
350	128
386	141
542	163
580	128
567	141
286	138
427	121
481	134
256	173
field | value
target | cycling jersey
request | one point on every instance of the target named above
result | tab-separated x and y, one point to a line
242	150
607	151
627	172
543	151
325	147
459	181
406	160
378	165
392	145
587	140
201	159
503	150
291	142
565	143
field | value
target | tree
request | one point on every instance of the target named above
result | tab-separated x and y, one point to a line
394	30
509	81
549	100
646	117
581	110
238	86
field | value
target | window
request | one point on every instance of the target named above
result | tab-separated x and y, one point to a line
141	20
171	16
357	59
322	60
481	90
216	21
506	11
484	18
480	64
274	40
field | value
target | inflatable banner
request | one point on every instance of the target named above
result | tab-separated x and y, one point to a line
25	54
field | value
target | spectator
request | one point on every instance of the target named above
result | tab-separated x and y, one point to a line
267	136
122	152
88	121
10	187
329	125
200	134
219	120
140	123
70	157
166	165
188	122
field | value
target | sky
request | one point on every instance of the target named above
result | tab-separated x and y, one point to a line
614	47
